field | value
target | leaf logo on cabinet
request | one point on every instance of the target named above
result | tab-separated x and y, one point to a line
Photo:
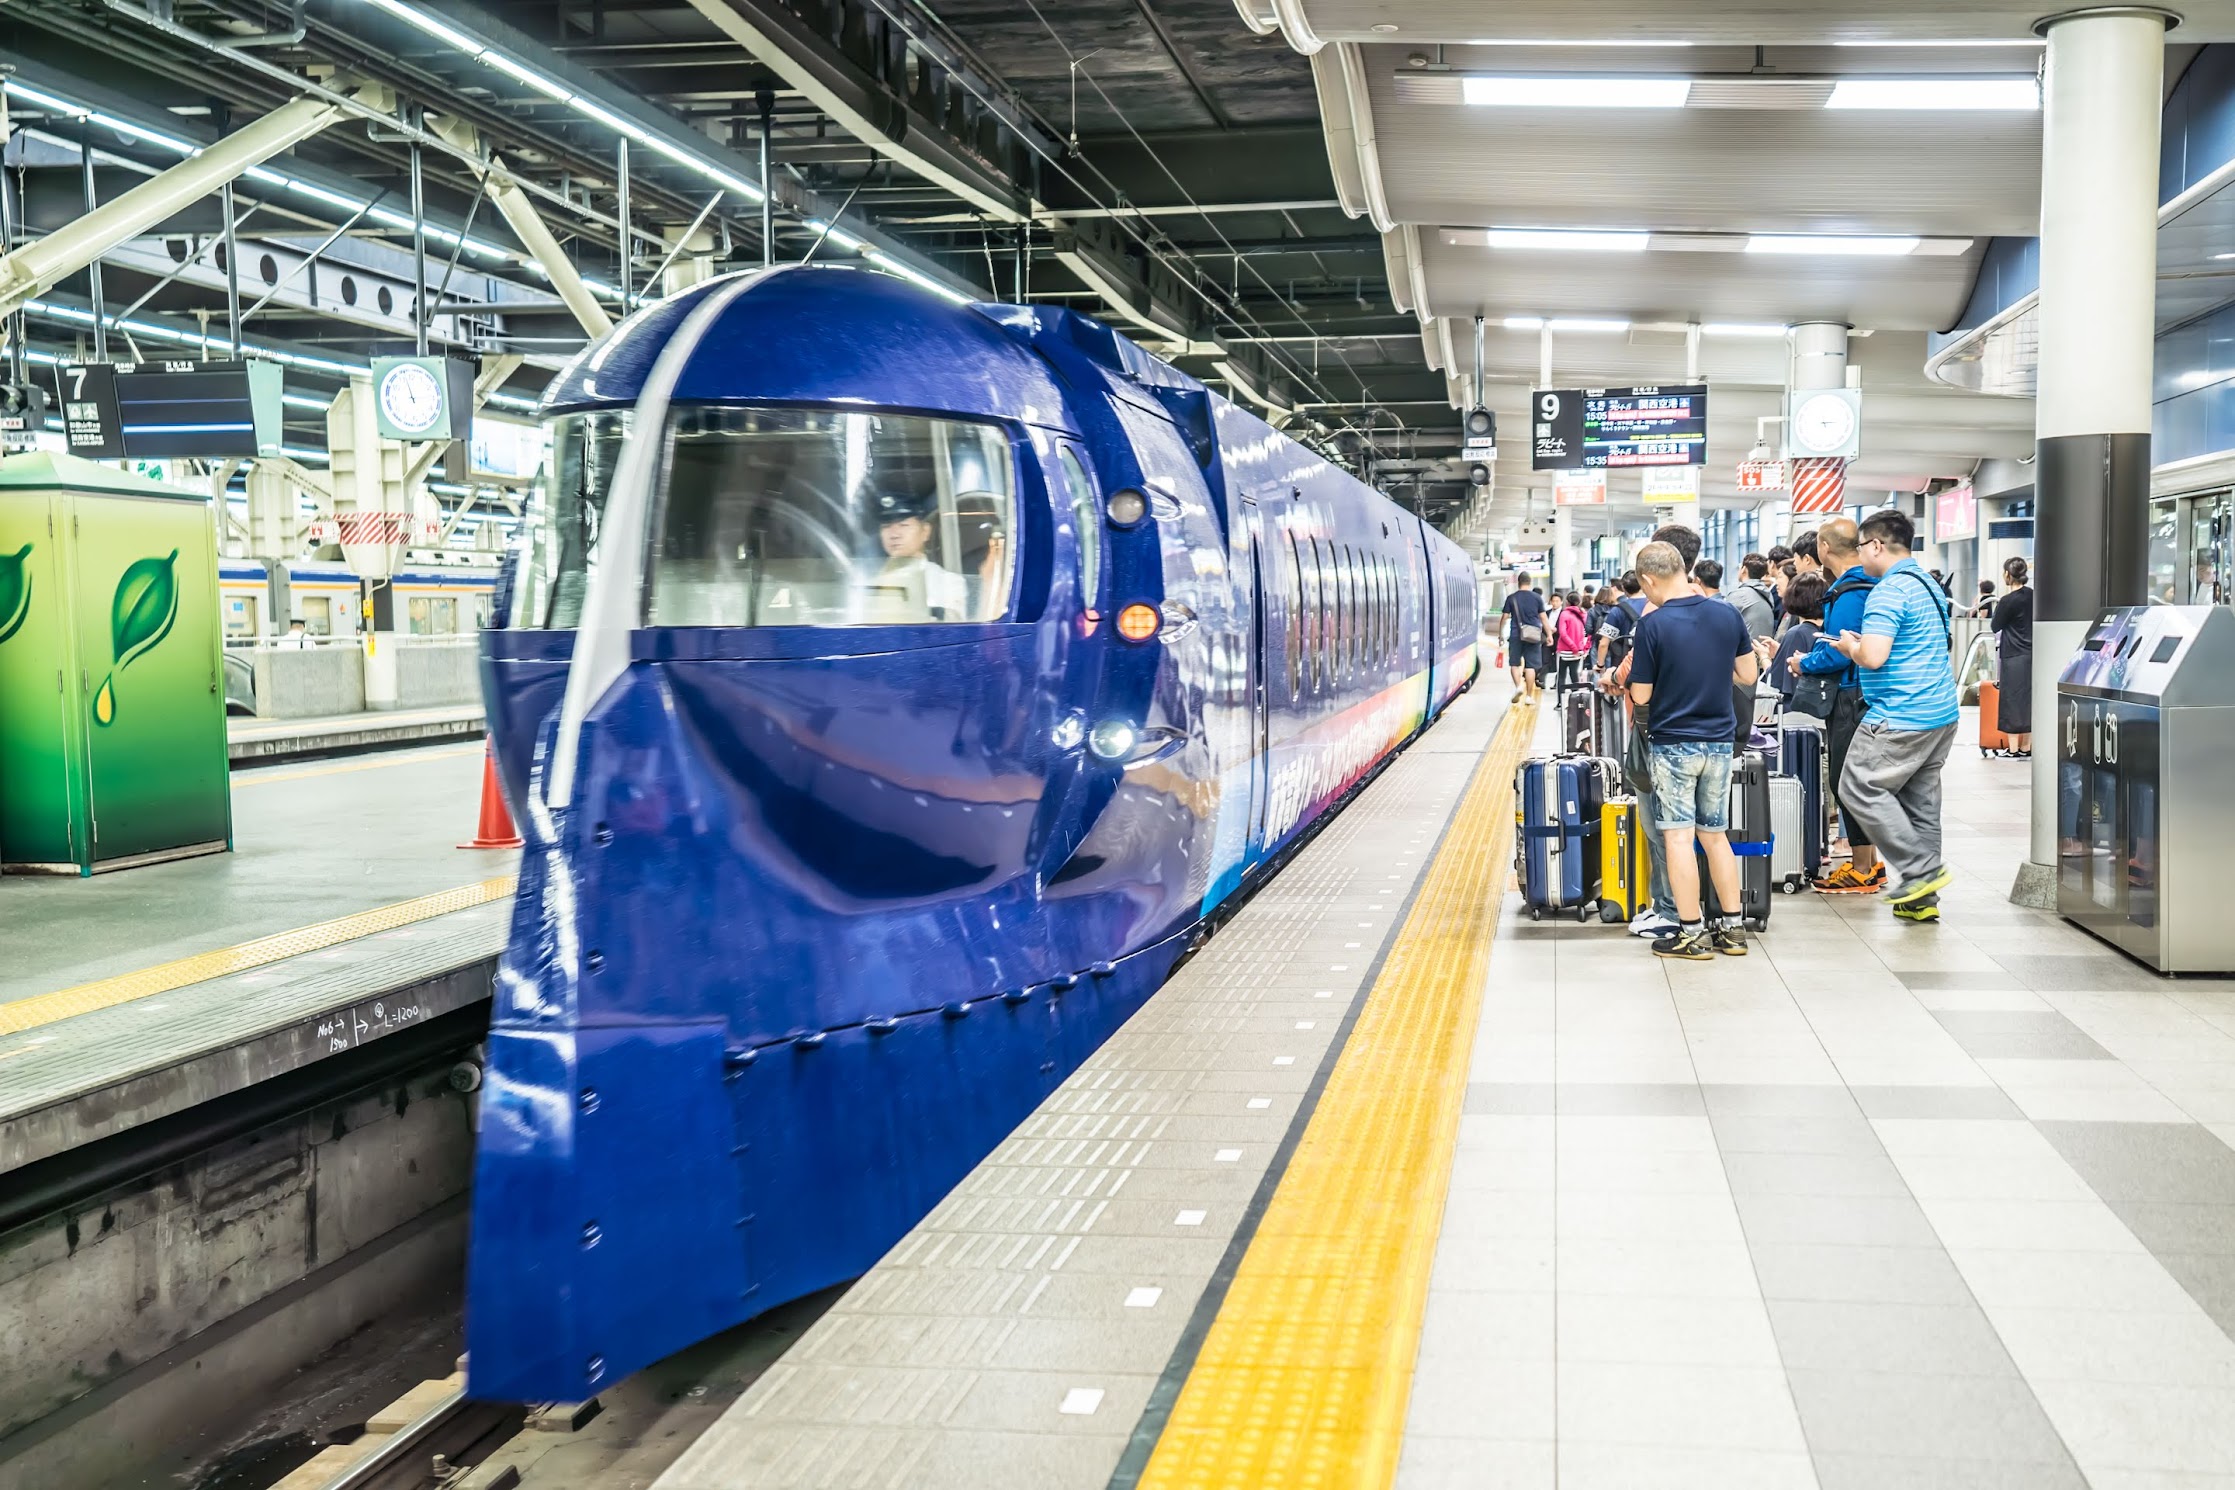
15	591
140	616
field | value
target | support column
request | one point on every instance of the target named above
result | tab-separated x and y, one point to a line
1818	359
2102	100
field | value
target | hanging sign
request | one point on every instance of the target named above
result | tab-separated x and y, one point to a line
92	424
1579	489
1762	475
1955	515
1671	484
1618	428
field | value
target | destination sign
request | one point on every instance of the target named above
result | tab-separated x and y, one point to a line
1585	429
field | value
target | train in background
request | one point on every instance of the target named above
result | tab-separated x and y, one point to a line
893	693
257	598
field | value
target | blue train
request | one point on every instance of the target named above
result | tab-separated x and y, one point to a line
893	694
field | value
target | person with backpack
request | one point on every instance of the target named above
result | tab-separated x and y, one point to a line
1753	599
1827	687
1619	625
1571	632
1891	781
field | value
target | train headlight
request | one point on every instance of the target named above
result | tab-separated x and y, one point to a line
1127	507
1139	621
1112	739
1068	734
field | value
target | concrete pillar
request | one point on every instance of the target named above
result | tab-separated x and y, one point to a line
692	264
271	513
2102	99
1563	548
1819	355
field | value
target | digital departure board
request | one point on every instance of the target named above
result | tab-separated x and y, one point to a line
1585	429
159	410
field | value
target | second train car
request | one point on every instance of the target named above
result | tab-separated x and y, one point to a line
936	673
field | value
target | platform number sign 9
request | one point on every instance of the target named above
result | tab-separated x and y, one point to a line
1556	429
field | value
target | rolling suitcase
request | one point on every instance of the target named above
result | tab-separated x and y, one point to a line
1556	840
1610	724
1625	864
1801	756
1751	841
1992	741
1787	832
1576	724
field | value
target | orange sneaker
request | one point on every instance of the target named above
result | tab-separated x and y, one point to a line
1846	881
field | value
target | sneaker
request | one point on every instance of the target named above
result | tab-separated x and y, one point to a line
1845	881
1925	884
1923	910
1651	923
1728	940
1690	946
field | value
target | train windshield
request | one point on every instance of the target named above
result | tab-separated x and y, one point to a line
566	517
813	517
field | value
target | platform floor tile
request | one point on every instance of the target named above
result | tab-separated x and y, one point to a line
1875	1207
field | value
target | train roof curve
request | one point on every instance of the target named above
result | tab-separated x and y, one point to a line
826	335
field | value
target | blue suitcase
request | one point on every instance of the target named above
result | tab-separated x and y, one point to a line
1801	756
1557	812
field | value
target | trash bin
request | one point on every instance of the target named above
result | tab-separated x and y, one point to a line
112	700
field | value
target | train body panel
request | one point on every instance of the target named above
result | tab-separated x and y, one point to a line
837	866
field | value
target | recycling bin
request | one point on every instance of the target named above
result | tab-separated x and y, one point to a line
112	699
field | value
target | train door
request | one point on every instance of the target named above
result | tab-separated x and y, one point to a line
1260	665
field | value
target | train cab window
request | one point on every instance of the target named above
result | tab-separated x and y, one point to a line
808	517
566	516
1086	519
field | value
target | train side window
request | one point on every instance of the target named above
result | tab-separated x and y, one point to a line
1295	629
1086	518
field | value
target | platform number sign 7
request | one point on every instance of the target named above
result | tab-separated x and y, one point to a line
91	424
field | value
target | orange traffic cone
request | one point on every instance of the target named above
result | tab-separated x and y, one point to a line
496	829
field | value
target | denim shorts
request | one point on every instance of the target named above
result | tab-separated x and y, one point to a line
1692	786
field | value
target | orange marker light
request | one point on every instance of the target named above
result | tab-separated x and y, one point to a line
1137	623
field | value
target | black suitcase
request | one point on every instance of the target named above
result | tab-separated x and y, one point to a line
1575	723
1750	841
1610	725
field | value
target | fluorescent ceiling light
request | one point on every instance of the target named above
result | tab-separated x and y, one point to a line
1741	328
1524	323
1514	41
1830	245
1578	93
1561	238
1975	41
1935	94
1585	323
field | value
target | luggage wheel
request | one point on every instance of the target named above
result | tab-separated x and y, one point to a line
1757	924
1536	913
1582	914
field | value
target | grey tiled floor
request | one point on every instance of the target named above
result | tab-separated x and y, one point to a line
1877	1206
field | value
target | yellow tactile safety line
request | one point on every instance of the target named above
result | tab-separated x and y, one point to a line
1306	1373
107	993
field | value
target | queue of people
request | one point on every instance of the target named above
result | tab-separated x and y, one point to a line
1857	635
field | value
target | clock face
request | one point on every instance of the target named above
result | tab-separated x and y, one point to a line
411	397
1824	422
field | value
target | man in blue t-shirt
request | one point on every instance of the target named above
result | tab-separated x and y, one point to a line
1891	782
1689	653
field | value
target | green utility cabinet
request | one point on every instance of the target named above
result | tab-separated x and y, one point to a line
112	701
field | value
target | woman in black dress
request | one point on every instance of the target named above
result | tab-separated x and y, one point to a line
2013	630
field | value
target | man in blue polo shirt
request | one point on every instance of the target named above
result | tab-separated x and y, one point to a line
1690	651
1891	781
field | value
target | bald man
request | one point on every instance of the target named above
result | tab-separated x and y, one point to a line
1838	549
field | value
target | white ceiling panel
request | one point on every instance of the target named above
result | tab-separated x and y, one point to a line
1727	22
1704	170
1915	293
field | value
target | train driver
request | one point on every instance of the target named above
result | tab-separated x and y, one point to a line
911	586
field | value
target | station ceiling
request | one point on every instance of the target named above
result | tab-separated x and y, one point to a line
1193	171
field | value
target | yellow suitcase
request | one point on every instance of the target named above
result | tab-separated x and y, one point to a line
1625	869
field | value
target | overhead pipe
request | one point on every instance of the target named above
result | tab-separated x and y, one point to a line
1264	25
39	266
1289	15
534	234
